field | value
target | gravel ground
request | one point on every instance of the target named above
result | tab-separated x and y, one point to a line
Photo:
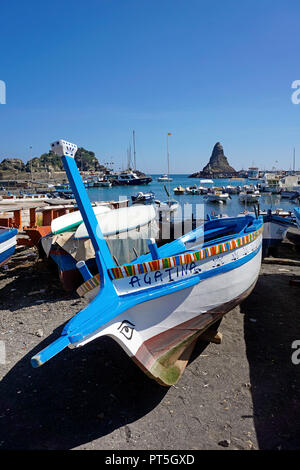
241	394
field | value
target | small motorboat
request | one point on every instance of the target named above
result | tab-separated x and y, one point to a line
203	189
217	196
8	242
142	198
232	189
103	183
157	306
249	194
164	178
193	190
275	230
179	190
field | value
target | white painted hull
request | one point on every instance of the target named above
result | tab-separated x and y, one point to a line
19	200
68	222
104	184
121	220
164	180
217	197
154	328
274	231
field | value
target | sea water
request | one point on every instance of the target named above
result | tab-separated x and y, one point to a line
189	202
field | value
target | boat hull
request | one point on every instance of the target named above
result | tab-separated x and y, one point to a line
156	332
8	241
214	198
133	182
273	234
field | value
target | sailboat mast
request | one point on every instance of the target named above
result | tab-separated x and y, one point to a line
294	161
168	159
134	152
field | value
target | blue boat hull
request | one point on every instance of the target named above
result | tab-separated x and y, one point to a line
7	244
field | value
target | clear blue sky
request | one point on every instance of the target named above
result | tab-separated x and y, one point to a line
92	71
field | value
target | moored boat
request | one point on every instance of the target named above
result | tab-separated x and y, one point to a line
130	178
157	306
217	196
192	190
103	183
275	230
164	178
179	190
232	189
249	194
143	198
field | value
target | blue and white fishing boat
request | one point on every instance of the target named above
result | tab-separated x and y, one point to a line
8	241
275	230
143	198
156	306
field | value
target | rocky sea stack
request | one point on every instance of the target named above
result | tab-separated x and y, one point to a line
217	167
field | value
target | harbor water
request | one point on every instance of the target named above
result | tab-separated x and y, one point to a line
188	202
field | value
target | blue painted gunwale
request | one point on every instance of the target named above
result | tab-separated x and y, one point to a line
7	233
279	220
134	298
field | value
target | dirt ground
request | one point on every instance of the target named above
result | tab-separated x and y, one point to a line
241	394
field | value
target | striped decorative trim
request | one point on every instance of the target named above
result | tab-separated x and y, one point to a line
171	262
178	260
89	285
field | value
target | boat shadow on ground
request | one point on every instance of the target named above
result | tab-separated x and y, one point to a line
38	281
81	395
271	324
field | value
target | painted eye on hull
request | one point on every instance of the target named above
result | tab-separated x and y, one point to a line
126	328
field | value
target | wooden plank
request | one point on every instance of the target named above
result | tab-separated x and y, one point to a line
212	336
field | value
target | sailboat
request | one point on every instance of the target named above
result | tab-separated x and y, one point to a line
130	177
157	306
164	178
169	207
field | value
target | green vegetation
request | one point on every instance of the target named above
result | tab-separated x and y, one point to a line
85	159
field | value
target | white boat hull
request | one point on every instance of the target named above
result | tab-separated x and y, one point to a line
217	197
274	231
169	323
69	222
